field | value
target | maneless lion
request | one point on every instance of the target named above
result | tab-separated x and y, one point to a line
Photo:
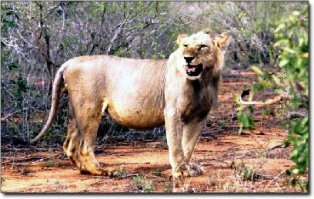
141	94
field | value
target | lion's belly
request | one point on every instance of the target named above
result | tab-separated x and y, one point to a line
135	99
137	117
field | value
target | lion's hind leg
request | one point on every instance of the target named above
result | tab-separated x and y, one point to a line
80	141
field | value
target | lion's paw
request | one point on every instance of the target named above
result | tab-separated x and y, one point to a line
187	170
194	170
97	172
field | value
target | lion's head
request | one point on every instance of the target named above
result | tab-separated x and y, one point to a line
199	52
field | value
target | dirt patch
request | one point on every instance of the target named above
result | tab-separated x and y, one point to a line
254	161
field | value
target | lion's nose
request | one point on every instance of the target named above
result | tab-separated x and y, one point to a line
189	59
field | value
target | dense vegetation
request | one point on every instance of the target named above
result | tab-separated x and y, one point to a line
37	37
292	81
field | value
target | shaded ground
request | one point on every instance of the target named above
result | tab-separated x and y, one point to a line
251	162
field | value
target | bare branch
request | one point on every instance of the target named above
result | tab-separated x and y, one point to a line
118	31
5	118
283	96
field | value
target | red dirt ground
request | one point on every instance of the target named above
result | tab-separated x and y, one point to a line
251	162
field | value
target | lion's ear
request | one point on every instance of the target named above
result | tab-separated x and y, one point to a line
222	40
181	38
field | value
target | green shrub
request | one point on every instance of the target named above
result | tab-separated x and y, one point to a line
142	184
291	79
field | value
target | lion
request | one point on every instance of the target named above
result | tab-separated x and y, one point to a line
141	94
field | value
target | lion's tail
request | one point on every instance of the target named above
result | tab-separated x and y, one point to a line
56	90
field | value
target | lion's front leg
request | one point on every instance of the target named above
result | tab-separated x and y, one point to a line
174	141
191	133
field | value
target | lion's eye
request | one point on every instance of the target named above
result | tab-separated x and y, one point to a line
185	45
202	47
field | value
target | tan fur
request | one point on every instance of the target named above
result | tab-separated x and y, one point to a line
140	94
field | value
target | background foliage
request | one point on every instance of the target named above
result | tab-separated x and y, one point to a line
289	78
294	80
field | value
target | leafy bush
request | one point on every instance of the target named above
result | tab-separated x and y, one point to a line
292	39
245	119
290	78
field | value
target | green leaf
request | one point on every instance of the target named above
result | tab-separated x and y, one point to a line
257	70
295	171
296	13
289	50
276	79
280	27
283	62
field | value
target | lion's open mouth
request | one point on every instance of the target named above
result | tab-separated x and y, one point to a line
194	70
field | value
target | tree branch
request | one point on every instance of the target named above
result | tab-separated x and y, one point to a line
117	32
283	96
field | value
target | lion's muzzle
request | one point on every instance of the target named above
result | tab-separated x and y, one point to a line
194	70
